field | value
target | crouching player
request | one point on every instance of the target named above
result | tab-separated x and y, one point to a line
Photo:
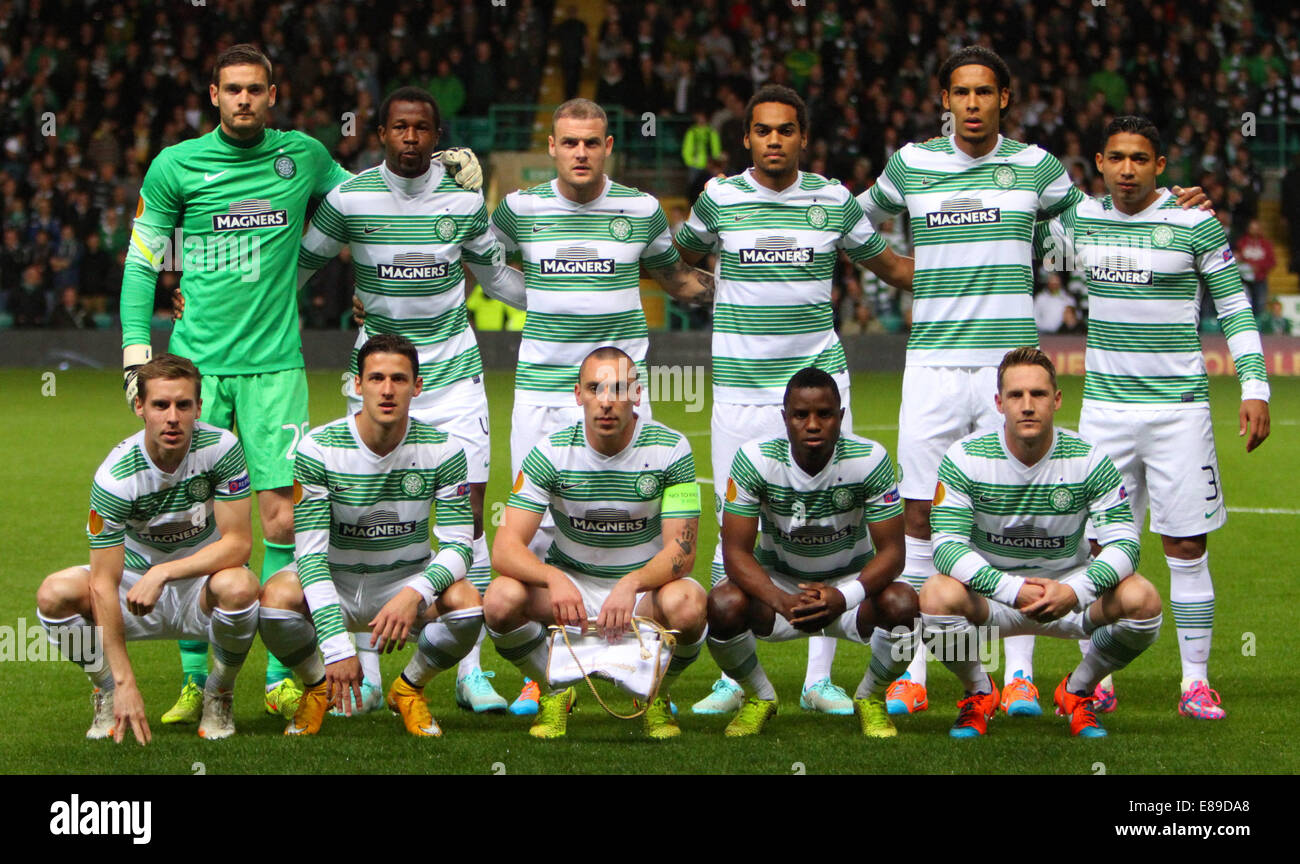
622	491
363	490
1008	522
825	509
169	539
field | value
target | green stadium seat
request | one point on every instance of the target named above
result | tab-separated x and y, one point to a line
6	321
103	320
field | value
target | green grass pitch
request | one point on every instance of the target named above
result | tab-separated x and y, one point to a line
53	443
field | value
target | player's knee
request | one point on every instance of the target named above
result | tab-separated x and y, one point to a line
282	591
728	611
61	594
684	605
503	605
1140	600
1184	548
897	605
941	595
461	594
234	588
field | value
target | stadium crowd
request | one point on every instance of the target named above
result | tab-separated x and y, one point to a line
92	91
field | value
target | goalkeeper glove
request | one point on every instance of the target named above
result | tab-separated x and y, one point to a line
462	165
133	357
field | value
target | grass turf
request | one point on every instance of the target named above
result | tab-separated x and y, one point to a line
58	430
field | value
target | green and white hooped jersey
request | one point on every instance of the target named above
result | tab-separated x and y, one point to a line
814	528
161	517
995	521
607	509
408	237
582	275
776	259
1144	275
972	224
368	516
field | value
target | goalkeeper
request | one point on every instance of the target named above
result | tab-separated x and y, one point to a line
229	207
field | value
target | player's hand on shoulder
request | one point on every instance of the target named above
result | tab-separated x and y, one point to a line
358	311
343	679
178	304
1193	196
463	166
567	607
128	711
1254	418
390	627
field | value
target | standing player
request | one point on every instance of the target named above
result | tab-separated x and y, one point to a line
621	489
410	228
1010	508
829	556
1145	391
169	534
237	198
972	197
583	239
364	486
777	231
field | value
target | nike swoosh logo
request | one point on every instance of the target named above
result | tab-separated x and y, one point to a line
1192	638
986	499
340	488
1212	512
208	178
567	486
740	218
929	181
537	228
371	229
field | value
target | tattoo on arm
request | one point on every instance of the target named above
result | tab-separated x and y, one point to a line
680	281
684	543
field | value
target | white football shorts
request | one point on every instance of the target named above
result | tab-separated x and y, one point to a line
1168	461
941	404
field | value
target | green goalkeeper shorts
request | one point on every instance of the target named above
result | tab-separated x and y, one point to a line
269	413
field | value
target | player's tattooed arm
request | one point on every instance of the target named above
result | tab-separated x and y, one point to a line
688	284
684	556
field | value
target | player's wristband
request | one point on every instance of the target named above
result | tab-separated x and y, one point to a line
854	593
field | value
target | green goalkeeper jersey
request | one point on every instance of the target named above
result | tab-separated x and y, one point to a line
230	215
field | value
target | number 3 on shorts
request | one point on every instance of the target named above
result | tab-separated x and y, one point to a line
298	433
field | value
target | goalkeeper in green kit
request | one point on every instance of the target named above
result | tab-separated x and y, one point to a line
227	208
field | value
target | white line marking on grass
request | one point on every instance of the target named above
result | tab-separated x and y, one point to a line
1265	511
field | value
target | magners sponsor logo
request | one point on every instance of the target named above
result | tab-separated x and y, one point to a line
243	215
1117	276
954	218
413	273
797	255
375	526
583	267
608	521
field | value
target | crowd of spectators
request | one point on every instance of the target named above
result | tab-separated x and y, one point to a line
93	90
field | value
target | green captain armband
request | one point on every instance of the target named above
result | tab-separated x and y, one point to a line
682	496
